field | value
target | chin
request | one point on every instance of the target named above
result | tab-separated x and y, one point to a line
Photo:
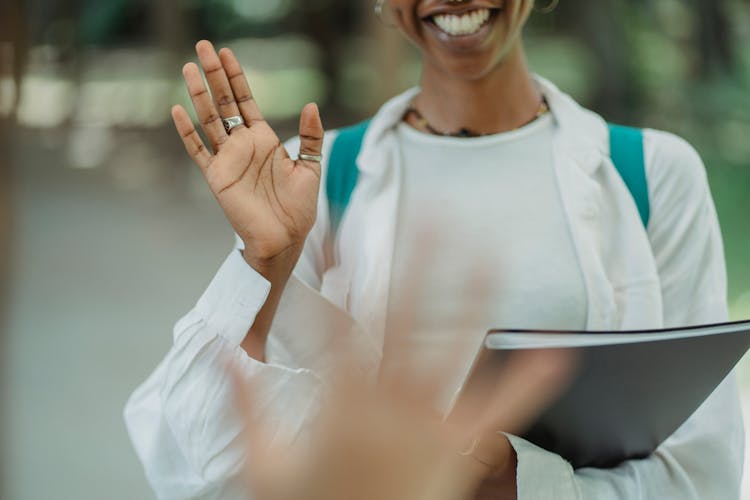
471	67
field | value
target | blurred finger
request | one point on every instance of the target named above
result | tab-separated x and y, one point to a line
470	329
402	375
190	138
217	79
244	393
204	106
263	465
346	375
528	383
240	88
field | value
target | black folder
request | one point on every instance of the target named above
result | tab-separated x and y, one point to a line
630	391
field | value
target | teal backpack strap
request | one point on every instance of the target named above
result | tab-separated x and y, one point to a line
626	150
342	171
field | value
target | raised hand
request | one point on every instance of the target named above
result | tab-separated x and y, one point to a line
269	198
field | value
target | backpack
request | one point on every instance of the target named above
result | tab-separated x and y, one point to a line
626	147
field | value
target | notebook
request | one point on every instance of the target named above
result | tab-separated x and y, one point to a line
630	391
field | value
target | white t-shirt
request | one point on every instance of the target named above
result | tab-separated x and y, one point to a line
490	206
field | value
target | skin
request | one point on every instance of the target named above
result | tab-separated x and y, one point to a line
486	88
388	441
270	199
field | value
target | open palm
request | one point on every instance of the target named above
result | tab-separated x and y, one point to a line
269	198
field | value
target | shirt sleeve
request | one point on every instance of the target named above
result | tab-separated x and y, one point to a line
704	457
181	419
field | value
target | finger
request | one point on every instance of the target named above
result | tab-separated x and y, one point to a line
217	80
343	372
204	107
190	138
402	322
240	88
311	132
407	377
244	393
528	383
469	330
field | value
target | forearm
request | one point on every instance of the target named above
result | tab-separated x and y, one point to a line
277	271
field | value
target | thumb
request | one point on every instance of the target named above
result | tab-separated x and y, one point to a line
311	133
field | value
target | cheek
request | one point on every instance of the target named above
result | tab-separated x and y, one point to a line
403	13
521	11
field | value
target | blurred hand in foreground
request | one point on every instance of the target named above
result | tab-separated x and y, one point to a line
388	441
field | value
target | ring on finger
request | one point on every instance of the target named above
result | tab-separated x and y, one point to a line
232	122
313	158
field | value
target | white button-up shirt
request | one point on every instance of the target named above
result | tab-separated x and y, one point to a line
670	274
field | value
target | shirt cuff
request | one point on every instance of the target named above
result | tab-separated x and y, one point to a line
542	475
233	299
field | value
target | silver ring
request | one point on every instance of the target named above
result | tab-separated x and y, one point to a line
315	158
232	122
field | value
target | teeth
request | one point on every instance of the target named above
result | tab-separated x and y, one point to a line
465	24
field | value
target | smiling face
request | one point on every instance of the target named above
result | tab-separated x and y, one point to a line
464	39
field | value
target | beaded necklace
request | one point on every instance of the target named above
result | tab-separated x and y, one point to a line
422	122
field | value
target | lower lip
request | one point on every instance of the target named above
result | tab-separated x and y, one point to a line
464	42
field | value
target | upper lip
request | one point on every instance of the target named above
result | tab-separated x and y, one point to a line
444	8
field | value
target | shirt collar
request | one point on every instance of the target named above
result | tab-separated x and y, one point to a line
582	134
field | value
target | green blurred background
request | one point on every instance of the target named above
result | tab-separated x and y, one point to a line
114	235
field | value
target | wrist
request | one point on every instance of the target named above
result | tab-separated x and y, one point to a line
508	469
495	453
254	345
275	269
498	480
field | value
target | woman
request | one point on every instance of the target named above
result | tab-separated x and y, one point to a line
522	175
